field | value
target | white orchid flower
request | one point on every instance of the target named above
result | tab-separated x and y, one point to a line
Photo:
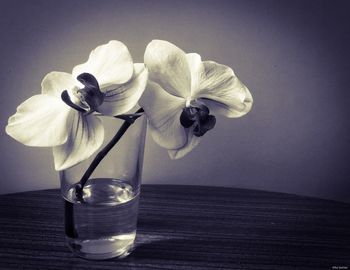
62	115
183	92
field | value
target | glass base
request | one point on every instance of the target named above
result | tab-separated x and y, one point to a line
101	249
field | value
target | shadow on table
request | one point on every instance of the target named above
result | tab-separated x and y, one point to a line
176	251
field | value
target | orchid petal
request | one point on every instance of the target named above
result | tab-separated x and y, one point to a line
40	121
125	97
110	63
86	136
223	92
196	67
168	67
55	82
163	111
171	135
192	142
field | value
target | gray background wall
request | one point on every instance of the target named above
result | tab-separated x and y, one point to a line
293	55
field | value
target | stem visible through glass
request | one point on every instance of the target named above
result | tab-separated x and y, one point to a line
128	121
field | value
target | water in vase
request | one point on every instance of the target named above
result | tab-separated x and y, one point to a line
103	225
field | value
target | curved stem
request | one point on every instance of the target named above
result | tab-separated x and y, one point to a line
98	158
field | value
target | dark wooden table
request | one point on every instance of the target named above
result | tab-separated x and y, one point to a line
189	227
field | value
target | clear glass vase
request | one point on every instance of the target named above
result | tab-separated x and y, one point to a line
101	223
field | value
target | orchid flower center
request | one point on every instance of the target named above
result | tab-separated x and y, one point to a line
198	117
87	99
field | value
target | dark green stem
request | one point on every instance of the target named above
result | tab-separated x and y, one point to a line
69	220
98	158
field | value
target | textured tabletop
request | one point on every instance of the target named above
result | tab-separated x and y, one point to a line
188	227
